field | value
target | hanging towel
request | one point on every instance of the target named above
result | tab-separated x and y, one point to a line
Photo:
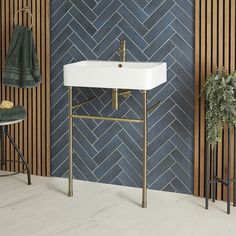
22	68
15	113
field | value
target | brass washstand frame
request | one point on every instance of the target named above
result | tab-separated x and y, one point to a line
139	121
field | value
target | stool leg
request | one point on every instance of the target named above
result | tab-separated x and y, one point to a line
214	175
234	167
21	156
206	178
228	176
2	146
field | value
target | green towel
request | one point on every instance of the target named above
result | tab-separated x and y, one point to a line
15	113
22	68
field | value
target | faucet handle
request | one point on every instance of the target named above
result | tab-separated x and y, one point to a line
122	43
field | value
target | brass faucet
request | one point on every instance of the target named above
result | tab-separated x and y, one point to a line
122	51
115	92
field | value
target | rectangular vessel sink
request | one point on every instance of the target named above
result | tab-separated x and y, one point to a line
115	75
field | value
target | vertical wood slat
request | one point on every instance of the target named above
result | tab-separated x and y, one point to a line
214	47
196	102
202	106
32	135
232	67
208	57
220	65
226	65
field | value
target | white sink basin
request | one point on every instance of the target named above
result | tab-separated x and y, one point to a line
115	75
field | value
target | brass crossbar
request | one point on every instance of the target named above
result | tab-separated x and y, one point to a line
85	102
154	107
107	118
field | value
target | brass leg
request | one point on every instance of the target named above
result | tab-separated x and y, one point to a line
144	197
70	192
115	99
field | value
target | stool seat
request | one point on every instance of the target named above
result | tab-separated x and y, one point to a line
3	123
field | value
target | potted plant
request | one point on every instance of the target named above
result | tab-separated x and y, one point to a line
219	91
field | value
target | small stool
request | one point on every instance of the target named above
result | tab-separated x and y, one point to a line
215	179
4	132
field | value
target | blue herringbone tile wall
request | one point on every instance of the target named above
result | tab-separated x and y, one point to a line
155	30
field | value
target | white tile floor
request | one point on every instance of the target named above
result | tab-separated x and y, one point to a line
43	209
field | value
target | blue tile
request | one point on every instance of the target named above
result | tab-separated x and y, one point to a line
160	28
183	147
152	6
186	6
126	180
183	17
169	188
107	136
91	3
82	7
105	152
185	63
61	51
183	90
157	142
106	42
162	52
106	14
107	27
130	143
135	9
61	11
160	126
133	35
61	38
159	13
179	129
87	52
161	111
183	32
83	34
185	121
182	175
183	104
183	162
160	183
135	161
84	168
132	20
179	186
111	174
80	137
79	17
133	174
183	75
157	157
160	169
183	46
105	166
101	6
159	41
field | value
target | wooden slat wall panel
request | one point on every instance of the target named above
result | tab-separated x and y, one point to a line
215	22
32	135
